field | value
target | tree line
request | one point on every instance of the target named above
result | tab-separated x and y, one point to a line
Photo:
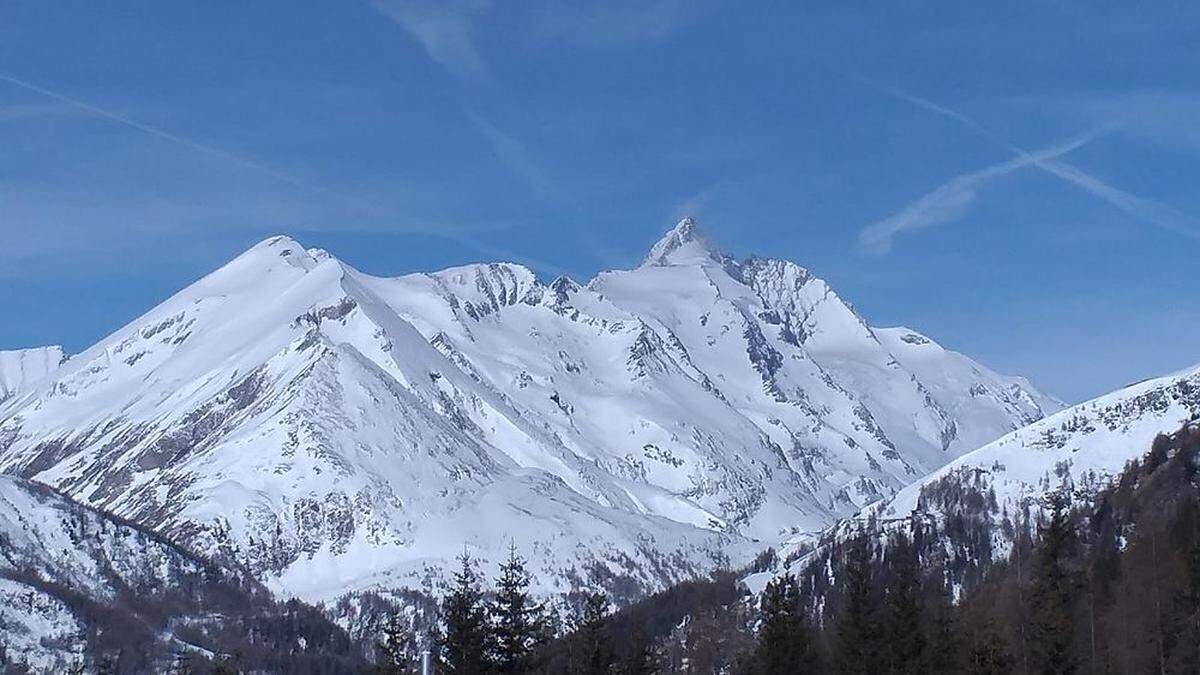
506	632
1109	584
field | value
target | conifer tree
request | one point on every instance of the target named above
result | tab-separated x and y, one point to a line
942	653
858	640
593	653
1052	591
519	622
984	650
396	652
465	644
640	658
1189	659
784	638
904	621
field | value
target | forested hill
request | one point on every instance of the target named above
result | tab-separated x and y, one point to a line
1109	586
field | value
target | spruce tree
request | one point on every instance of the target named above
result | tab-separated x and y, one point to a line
465	644
519	623
640	657
858	640
984	649
784	639
1189	659
396	652
593	653
1052	592
942	653
904	621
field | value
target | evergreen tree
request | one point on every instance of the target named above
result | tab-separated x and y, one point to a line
941	636
858	641
1052	592
784	639
984	650
465	644
396	652
904	624
1189	624
593	653
640	658
519	623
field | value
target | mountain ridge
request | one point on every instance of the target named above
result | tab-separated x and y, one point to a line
21	369
334	431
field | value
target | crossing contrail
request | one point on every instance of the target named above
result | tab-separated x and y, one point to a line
1141	208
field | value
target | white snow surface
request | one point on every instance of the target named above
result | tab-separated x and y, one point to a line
1081	448
336	431
22	368
47	541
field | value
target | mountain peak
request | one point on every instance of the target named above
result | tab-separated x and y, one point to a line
682	244
275	250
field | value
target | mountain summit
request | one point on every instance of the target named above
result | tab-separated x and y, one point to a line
681	244
332	430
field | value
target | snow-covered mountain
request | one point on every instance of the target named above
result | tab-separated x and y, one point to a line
79	588
333	430
1080	448
22	368
48	545
56	558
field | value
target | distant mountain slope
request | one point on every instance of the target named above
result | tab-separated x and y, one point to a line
80	588
335	431
981	500
20	369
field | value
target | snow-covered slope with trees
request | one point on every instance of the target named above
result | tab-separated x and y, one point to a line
81	590
333	430
1080	449
22	368
57	559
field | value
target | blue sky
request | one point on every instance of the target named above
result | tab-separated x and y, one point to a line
1019	182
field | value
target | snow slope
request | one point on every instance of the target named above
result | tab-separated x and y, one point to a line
58	559
22	368
1081	447
337	431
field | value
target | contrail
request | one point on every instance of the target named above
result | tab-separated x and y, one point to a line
1147	210
197	146
445	231
950	200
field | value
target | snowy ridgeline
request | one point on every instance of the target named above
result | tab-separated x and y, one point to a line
335	431
979	502
20	369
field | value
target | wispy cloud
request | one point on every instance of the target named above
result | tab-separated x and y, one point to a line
516	156
695	204
618	22
1166	118
382	216
445	29
950	201
22	113
1146	210
184	142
